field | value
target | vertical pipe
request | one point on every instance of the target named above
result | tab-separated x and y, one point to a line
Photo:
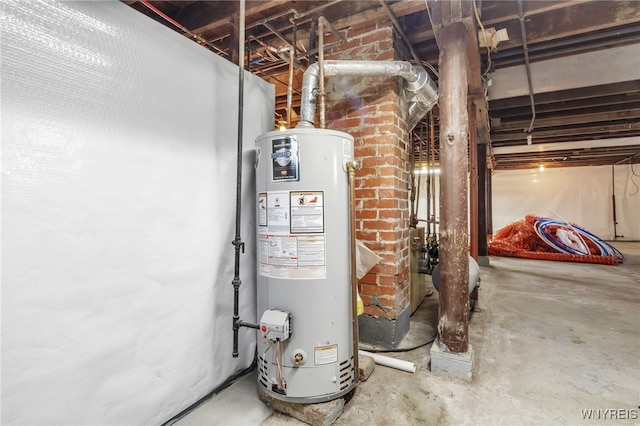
351	167
613	202
413	220
483	248
237	242
473	180
489	205
432	168
453	322
321	65
292	57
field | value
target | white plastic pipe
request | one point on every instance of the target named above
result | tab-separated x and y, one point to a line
387	361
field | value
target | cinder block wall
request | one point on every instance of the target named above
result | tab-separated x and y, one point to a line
372	110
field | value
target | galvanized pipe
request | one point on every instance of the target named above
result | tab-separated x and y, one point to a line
473	180
453	323
432	167
321	68
237	241
292	58
422	92
483	248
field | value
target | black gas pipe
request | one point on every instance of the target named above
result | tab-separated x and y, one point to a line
237	241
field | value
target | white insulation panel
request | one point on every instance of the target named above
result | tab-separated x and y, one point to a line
118	210
581	195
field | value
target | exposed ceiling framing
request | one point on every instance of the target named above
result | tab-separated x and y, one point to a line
553	30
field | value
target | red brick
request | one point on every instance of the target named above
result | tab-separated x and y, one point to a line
369	288
367	235
365	172
387	281
376	37
379	225
380	204
377	312
385	45
367	279
386	291
387	302
391	150
386	269
367	214
367	299
366	151
379	246
372	162
366	193
389	172
379	182
388	214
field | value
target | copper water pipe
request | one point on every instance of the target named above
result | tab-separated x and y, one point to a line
351	167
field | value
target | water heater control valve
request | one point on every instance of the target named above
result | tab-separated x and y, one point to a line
274	325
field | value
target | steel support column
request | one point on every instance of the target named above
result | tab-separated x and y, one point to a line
453	323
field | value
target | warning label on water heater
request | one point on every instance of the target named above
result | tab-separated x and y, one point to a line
325	354
307	212
291	239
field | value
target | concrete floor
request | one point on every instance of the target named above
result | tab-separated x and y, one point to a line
552	340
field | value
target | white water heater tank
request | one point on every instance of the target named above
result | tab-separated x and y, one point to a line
304	264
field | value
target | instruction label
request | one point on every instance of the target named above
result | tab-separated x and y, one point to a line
277	213
326	354
292	256
291	238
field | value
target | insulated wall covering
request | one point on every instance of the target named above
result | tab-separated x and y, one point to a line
118	196
581	195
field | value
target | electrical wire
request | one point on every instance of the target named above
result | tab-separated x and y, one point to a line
484	36
634	174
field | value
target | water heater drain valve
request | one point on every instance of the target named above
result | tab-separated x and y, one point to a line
274	325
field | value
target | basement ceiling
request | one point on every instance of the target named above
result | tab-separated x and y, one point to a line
587	113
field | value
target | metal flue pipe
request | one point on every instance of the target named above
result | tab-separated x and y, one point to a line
321	70
421	91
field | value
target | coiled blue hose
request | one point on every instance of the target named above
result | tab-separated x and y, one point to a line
551	239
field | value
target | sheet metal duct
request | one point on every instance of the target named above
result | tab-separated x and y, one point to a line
421	92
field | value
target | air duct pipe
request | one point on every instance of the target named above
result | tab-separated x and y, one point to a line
421	91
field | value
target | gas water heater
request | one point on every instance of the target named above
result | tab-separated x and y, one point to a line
305	335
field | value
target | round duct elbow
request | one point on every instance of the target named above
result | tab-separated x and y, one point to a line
422	94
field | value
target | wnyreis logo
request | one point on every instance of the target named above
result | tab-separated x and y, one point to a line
610	413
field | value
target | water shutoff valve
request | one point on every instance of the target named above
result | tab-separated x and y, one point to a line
274	325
